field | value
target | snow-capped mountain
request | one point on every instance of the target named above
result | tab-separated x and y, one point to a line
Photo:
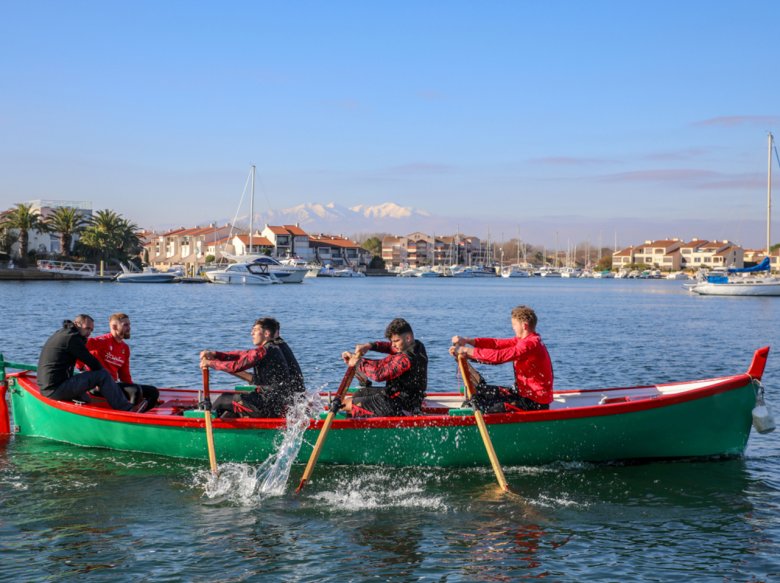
335	218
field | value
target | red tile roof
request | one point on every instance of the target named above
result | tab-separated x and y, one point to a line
256	240
295	230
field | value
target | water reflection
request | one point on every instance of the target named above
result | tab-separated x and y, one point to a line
70	512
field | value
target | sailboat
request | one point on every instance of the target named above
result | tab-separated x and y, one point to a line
517	269
256	267
742	282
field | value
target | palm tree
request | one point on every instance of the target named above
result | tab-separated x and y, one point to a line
66	221
23	218
110	236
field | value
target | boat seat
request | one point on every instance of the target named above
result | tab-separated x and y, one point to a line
461	412
611	400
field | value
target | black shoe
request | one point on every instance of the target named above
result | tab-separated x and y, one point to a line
140	407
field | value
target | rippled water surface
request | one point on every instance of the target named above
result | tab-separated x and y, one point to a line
79	514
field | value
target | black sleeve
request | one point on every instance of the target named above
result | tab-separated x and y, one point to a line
78	348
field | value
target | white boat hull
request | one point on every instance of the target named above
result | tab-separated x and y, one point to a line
750	287
238	278
146	277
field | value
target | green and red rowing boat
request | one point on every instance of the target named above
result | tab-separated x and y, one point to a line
710	417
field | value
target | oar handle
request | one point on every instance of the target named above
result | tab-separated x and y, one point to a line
482	426
205	383
315	453
207	419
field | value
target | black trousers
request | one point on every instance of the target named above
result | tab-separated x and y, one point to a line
136	392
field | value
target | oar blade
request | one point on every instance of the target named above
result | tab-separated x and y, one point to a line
315	452
483	431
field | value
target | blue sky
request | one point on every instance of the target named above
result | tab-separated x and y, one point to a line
582	118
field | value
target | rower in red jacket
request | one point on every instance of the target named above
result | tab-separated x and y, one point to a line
533	388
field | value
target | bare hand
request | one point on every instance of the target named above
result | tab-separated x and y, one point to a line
458	340
354	360
346	355
361	349
458	351
204	363
207	354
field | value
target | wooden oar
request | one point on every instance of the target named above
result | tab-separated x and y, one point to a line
464	372
315	453
207	418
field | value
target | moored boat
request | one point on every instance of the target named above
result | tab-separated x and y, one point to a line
148	275
746	281
242	274
709	417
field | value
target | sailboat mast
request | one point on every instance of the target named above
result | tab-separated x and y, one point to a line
252	209
769	196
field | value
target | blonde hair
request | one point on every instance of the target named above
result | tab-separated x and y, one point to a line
118	317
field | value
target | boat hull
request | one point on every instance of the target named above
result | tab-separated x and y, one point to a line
715	421
238	278
748	288
146	278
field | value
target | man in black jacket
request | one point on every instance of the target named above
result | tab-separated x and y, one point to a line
58	358
275	387
404	371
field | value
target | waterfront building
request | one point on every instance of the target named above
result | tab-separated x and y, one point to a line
394	251
289	241
49	243
662	254
184	246
623	258
674	254
260	245
421	250
710	254
338	250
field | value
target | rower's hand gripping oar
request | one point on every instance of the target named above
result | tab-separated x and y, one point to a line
207	419
470	393
315	453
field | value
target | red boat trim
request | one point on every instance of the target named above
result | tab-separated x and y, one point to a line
714	386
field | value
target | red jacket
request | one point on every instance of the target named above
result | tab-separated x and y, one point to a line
113	355
530	359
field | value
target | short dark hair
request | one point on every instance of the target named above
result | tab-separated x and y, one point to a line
397	327
83	318
269	324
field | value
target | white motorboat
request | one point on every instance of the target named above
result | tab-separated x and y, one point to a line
744	282
242	274
330	271
514	271
570	272
460	271
284	273
483	271
678	275
147	275
348	272
606	274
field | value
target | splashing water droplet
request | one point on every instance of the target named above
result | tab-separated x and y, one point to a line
248	485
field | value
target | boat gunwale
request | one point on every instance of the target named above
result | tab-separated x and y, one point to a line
712	387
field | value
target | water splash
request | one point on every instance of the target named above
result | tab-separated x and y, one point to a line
380	489
249	485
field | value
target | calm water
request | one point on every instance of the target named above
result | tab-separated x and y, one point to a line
70	513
